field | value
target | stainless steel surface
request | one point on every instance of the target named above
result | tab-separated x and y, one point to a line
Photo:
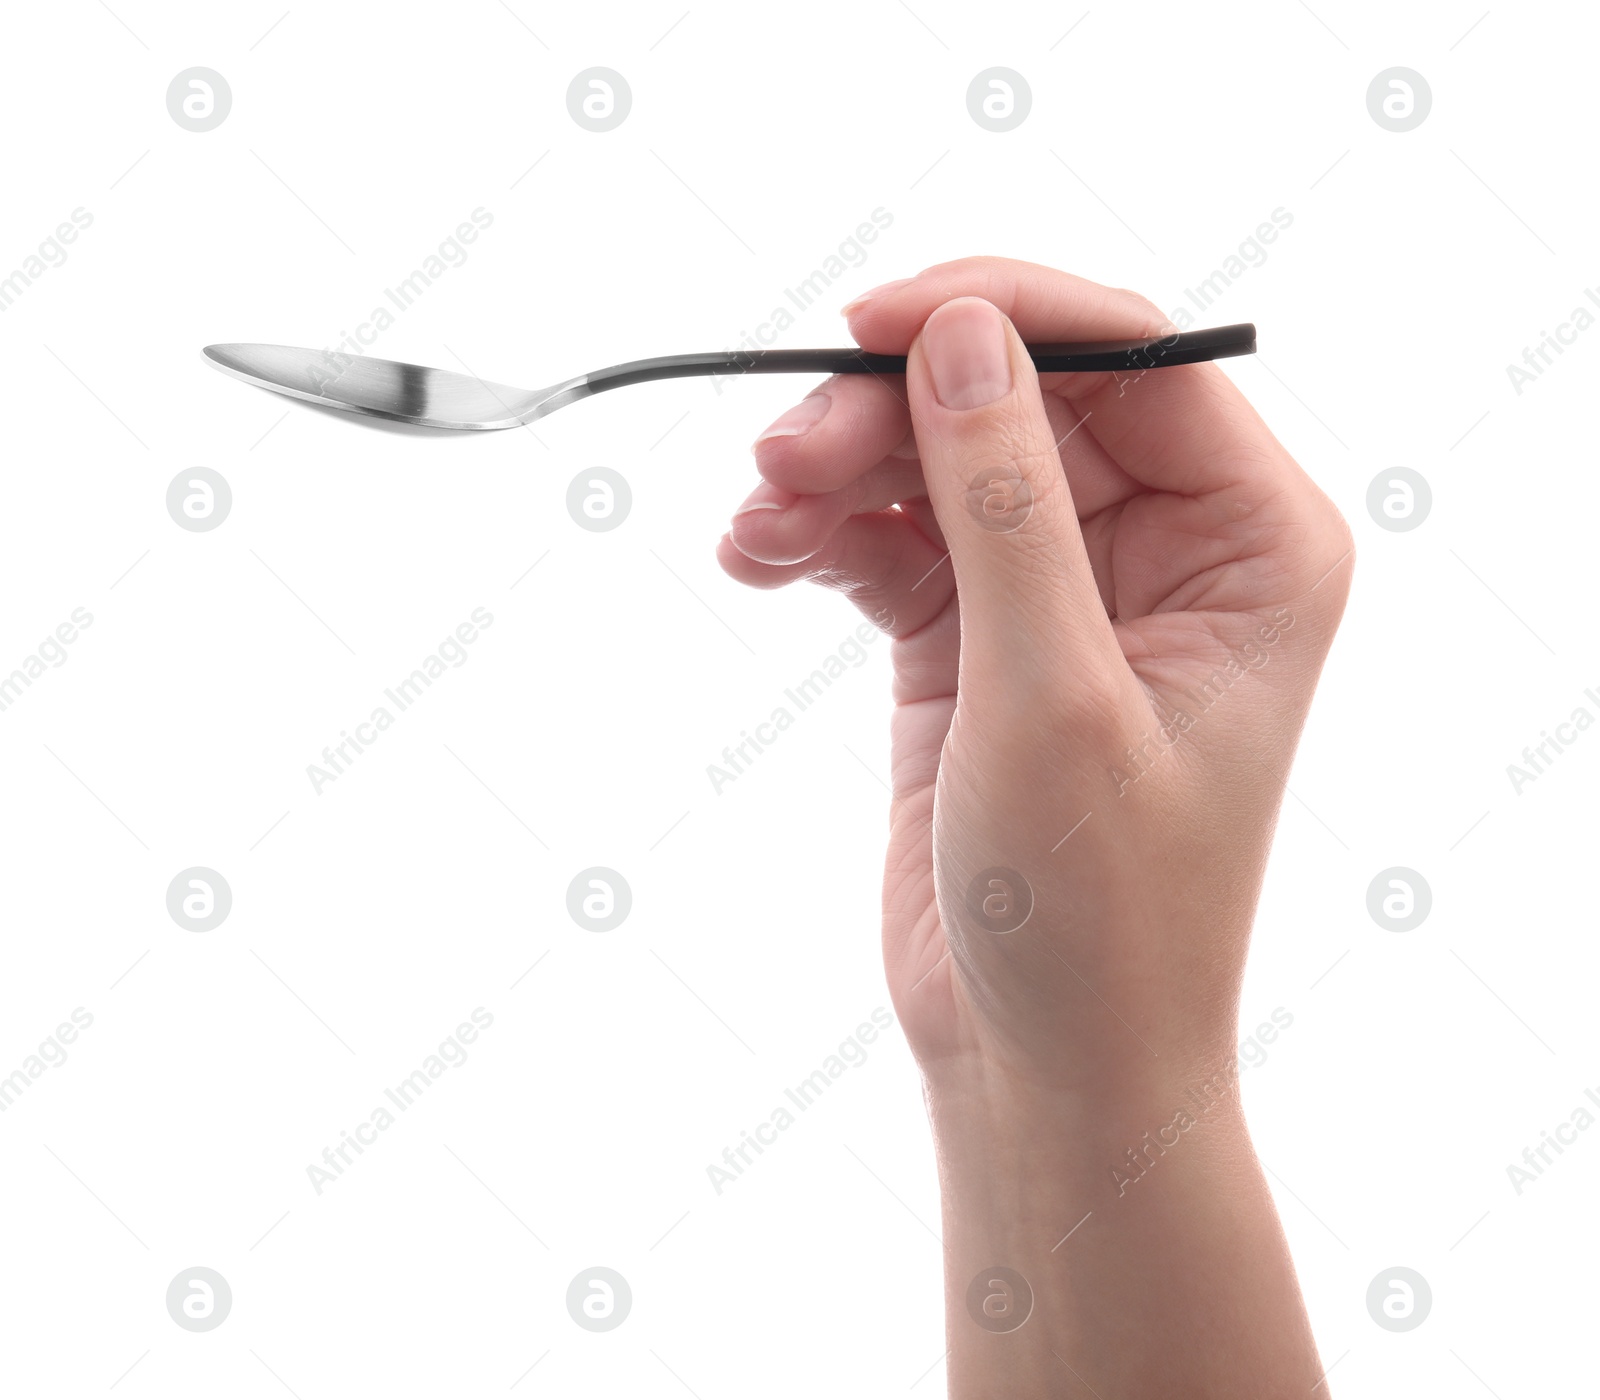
432	398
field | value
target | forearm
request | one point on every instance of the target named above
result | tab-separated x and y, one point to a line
1142	1227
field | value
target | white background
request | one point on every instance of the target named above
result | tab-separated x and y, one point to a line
428	879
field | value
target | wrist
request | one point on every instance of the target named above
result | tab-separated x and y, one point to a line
1015	1153
1076	1222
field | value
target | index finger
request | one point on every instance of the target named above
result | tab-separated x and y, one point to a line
1183	428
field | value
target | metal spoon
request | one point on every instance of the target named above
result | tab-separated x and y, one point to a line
441	398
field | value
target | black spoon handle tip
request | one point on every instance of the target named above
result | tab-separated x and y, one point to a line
1178	348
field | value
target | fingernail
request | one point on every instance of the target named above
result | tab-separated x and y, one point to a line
766	497
965	342
804	416
852	306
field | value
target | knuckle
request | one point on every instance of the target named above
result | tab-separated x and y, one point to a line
1156	319
980	276
1340	553
956	267
1084	722
1095	704
1008	479
1010	452
1328	533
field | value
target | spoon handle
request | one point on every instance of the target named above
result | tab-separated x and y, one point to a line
1132	356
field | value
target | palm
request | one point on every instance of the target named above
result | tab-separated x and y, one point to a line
1185	580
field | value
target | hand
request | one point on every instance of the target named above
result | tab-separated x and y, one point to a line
1111	595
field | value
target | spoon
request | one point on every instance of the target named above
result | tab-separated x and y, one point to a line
441	398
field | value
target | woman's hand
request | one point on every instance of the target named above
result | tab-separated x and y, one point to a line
1111	595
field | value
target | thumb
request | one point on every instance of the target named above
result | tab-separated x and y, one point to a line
1032	619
